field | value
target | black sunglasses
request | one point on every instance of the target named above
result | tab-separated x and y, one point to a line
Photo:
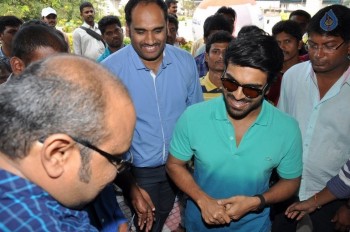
249	91
119	163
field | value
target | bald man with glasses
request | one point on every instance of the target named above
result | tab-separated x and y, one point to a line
50	117
236	140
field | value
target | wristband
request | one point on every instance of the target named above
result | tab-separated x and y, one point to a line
316	203
262	202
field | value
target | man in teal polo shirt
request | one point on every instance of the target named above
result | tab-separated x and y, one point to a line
236	140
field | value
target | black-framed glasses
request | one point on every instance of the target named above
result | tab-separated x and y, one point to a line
311	46
120	163
249	91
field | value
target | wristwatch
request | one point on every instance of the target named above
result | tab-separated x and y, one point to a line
262	202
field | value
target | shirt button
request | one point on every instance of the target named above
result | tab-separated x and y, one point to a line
231	137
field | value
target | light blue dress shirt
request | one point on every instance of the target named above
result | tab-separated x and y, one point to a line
324	124
159	99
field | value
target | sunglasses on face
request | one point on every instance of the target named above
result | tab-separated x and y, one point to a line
249	91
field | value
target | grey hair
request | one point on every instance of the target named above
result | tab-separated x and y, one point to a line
40	102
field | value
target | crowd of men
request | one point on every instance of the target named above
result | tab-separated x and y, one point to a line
253	129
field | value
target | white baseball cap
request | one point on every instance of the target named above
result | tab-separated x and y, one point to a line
48	10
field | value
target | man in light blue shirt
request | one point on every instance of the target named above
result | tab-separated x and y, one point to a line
317	94
162	81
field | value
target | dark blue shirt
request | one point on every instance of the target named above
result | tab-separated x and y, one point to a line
201	64
25	206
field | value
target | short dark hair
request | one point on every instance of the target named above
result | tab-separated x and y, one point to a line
9	20
251	30
169	2
302	13
218	37
259	51
34	22
289	27
216	22
31	37
85	4
172	19
5	69
228	11
133	3
106	21
341	28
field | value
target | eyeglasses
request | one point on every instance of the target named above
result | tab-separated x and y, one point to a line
326	48
119	163
249	91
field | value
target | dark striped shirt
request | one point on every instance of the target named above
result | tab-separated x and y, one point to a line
25	206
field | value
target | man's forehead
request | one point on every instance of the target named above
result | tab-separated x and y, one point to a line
112	26
283	35
88	8
51	16
11	28
218	45
316	36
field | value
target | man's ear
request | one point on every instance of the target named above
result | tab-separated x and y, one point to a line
56	153
17	65
206	57
300	45
127	31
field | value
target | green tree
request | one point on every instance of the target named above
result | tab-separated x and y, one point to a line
67	10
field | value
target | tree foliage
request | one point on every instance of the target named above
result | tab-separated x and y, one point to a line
67	10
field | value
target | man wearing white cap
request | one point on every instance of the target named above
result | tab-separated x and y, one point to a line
49	16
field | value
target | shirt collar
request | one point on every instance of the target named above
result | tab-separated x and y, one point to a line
263	118
12	183
95	27
345	78
140	65
208	84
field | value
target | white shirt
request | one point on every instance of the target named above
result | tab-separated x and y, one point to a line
324	124
86	45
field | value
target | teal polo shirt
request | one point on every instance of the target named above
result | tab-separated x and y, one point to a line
223	170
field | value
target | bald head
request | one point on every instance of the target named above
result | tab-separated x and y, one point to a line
63	93
84	72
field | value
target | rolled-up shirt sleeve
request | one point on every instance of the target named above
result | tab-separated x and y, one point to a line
340	184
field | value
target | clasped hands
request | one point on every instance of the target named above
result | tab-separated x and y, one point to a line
223	211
